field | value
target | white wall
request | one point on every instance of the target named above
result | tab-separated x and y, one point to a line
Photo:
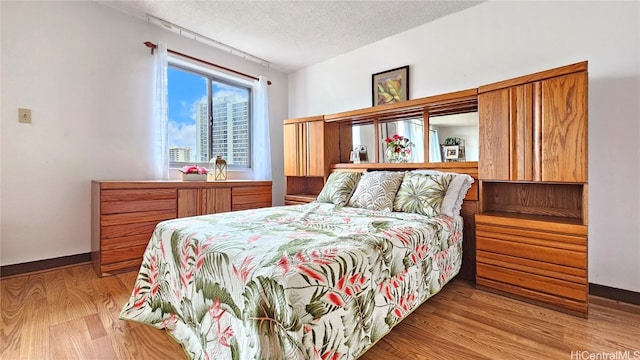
83	70
495	41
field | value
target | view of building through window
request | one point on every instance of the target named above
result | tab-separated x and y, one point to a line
194	135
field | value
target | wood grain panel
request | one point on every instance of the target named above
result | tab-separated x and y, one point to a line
222	202
564	128
125	242
302	199
315	142
124	206
527	236
250	190
533	252
541	223
494	157
468	211
534	267
575	307
535	282
132	252
189	202
137	194
291	164
126	230
521	132
251	205
250	198
542	75
142	216
331	148
121	266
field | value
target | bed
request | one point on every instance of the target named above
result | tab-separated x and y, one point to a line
325	280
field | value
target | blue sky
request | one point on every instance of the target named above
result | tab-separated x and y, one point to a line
185	90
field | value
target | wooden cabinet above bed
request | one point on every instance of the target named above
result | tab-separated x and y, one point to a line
534	128
310	147
531	233
125	213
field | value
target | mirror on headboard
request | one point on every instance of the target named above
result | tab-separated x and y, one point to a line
366	135
402	140
363	142
454	137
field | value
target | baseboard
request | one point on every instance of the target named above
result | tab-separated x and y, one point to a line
46	264
630	297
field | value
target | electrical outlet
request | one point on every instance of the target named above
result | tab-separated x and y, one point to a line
24	116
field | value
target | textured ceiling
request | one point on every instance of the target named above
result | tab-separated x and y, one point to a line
291	35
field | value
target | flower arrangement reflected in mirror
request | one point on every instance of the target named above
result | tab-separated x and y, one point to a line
398	149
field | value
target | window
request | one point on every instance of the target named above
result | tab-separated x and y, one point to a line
208	116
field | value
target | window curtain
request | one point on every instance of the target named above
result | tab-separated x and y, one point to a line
261	149
160	114
435	154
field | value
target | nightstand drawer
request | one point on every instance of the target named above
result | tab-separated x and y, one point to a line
531	248
534	282
568	273
543	261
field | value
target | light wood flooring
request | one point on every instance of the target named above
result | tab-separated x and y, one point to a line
70	313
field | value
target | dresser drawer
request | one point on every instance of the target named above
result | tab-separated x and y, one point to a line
243	198
121	249
128	201
127	230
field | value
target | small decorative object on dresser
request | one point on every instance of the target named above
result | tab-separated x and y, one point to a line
390	86
220	168
194	173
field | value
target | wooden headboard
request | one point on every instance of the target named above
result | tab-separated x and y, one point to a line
469	206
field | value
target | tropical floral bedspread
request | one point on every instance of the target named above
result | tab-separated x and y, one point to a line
314	281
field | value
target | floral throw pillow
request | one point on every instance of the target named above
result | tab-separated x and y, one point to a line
376	190
339	187
422	193
458	188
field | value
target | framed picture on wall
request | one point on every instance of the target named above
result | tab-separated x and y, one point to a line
451	152
390	86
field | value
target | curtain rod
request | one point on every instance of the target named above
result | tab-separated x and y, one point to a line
153	46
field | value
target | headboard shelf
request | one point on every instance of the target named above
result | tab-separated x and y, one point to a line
450	166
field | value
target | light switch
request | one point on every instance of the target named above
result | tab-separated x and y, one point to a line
24	116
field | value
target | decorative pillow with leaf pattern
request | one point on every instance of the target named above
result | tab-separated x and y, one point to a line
422	193
376	190
339	187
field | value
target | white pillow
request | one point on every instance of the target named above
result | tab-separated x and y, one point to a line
461	183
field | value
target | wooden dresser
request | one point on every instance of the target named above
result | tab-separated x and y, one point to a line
125	213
